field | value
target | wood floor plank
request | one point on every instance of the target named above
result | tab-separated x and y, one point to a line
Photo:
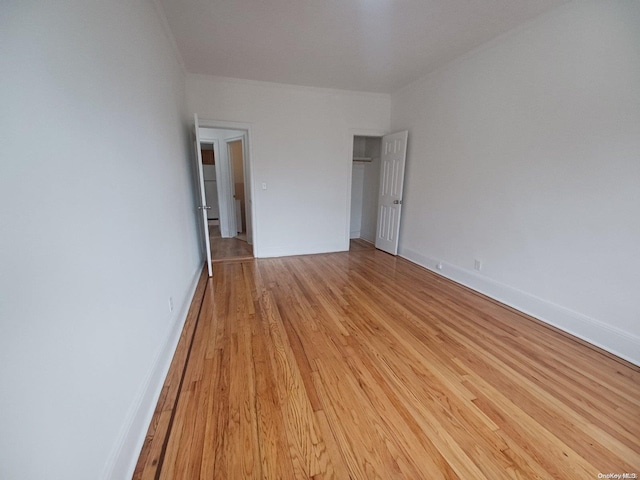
306	445
228	249
215	417
361	365
272	438
554	415
154	447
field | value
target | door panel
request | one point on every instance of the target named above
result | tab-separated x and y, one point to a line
393	159
203	197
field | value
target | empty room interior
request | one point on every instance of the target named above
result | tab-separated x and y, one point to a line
294	239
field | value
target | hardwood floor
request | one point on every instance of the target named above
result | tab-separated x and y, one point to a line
158	433
228	249
358	244
362	365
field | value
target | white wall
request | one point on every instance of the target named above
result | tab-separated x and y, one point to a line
526	155
301	148
98	231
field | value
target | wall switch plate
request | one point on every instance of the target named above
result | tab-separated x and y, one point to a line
478	265
264	185
171	304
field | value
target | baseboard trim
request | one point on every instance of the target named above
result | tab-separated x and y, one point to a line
371	239
122	461
614	340
292	250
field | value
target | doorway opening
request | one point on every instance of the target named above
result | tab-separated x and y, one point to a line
365	184
377	181
228	196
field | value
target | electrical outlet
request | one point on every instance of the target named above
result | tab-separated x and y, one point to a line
171	304
439	266
478	265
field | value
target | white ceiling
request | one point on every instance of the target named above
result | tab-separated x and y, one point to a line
367	45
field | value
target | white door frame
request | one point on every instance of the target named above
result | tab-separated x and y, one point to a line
247	195
232	208
231	204
353	132
248	200
248	171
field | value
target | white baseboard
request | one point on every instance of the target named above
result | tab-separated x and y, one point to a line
354	234
290	250
612	339
368	238
123	459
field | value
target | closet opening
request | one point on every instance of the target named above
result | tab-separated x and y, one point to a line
365	185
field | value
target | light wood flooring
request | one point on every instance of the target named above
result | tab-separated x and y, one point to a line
360	365
228	249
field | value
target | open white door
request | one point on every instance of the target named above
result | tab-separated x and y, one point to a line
203	199
393	158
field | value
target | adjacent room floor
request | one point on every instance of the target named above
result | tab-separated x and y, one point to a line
362	365
227	249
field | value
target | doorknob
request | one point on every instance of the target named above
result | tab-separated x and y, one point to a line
397	202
